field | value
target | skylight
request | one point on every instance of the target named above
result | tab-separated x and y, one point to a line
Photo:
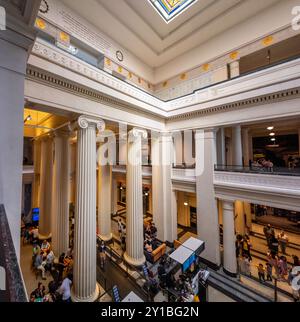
169	9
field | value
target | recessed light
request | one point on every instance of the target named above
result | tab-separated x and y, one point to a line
270	128
272	134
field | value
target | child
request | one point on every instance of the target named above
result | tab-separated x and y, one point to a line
261	273
269	269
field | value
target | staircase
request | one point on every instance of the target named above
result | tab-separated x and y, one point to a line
233	289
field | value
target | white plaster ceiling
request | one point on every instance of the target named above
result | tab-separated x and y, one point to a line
135	24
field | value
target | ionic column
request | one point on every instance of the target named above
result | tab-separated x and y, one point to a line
221	150
114	196
239	218
85	288
134	254
207	210
237	158
230	261
60	193
104	199
247	211
37	167
45	196
162	157
246	148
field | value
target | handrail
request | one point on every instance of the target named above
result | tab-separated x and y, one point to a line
262	170
11	282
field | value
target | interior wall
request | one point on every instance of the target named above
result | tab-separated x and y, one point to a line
12	70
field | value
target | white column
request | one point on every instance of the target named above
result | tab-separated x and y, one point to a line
239	218
162	156
207	211
230	261
247	211
37	166
134	254
221	149
174	209
246	148
299	141
46	188
104	200
237	158
61	193
85	288
234	68
73	153
114	196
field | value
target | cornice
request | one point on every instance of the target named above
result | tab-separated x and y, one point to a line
220	98
50	79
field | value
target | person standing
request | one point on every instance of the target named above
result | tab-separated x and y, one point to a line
269	270
283	242
261	273
65	288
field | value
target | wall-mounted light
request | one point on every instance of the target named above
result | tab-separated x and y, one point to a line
186	204
28	118
273	139
270	128
272	134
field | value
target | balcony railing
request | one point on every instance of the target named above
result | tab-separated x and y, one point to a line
254	169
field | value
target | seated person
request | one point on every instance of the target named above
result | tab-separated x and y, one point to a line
38	293
34	234
49	260
40	264
153	230
45	246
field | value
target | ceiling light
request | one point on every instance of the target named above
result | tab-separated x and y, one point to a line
270	128
272	134
273	139
186	203
146	193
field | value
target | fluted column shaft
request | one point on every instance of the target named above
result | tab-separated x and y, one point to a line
60	194
37	167
230	261
237	158
45	196
85	288
104	200
134	200
162	159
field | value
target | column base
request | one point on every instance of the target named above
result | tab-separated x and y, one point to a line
229	273
43	237
105	238
134	262
91	298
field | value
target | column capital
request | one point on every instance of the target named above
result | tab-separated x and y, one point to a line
209	133
136	133
228	204
85	121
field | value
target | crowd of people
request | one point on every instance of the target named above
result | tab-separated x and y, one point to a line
150	239
262	164
276	265
45	261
